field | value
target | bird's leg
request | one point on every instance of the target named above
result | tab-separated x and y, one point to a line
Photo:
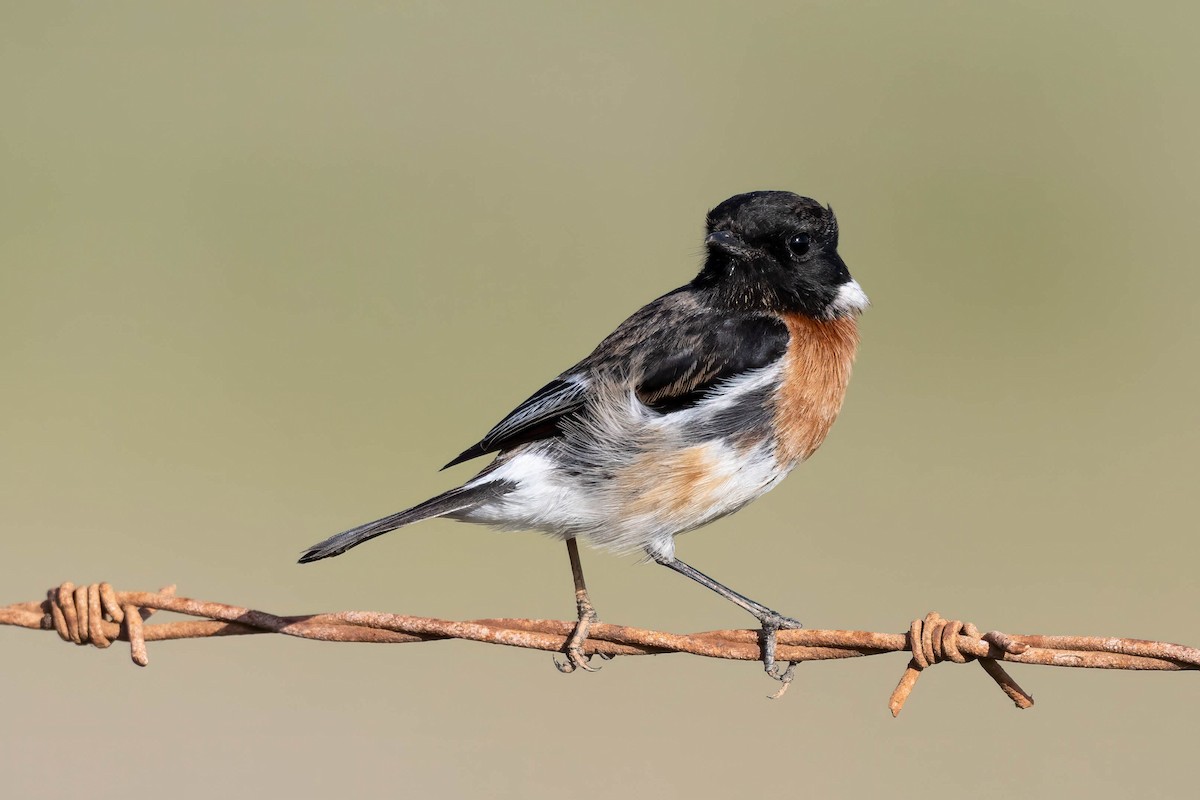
587	615
771	621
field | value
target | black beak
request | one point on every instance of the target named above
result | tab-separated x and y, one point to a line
726	242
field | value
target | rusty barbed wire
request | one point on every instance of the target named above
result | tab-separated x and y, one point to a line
97	615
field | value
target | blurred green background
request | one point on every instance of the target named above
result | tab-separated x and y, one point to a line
266	266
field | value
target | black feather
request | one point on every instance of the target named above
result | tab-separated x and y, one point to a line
692	361
458	499
536	418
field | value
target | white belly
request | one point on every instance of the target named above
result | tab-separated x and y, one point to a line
629	479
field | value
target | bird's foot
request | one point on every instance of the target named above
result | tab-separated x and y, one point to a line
576	658
771	624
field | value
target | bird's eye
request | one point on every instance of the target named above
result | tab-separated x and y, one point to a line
798	244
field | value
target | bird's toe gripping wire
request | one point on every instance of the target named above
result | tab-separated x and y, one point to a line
573	649
771	625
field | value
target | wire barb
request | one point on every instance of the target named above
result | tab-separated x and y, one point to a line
98	615
933	639
93	615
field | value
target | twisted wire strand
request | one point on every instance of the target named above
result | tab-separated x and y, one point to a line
98	615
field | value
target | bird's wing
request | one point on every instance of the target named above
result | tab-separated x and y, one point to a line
678	370
671	352
536	418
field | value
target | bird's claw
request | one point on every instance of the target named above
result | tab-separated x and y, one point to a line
576	659
573	649
771	625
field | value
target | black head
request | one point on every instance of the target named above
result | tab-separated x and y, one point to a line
777	251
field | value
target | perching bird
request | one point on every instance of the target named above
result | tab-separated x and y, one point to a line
697	404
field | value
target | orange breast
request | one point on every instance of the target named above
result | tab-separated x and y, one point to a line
815	373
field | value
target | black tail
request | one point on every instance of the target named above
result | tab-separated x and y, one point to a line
459	499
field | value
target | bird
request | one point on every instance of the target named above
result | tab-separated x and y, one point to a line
697	404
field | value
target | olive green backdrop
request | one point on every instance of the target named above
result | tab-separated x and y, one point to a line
265	267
